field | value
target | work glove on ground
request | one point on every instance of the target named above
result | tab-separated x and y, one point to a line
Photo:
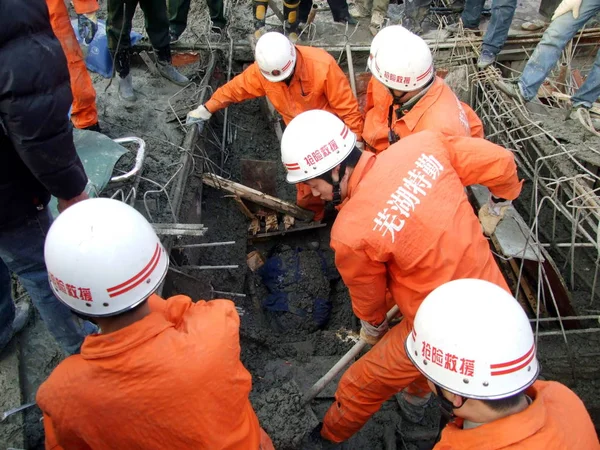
371	333
88	26
566	6
198	116
492	213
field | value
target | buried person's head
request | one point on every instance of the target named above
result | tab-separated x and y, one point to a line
104	260
473	342
317	148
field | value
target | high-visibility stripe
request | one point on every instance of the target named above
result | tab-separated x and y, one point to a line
427	72
292	165
138	278
344	132
293	168
289	63
513	366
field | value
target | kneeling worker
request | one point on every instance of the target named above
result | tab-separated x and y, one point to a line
473	342
295	79
405	226
404	95
162	373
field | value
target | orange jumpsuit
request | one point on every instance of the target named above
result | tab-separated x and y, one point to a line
171	380
556	419
317	83
406	226
84	112
438	110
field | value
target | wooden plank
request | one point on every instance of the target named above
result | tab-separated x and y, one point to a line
242	206
255	196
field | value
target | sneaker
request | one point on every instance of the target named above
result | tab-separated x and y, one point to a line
412	410
510	89
486	59
458	27
582	114
168	71
358	11
22	311
348	19
173	37
126	91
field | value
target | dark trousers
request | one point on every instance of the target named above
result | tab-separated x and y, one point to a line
120	16
339	9
179	9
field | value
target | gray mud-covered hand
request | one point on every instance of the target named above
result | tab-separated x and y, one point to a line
198	116
87	25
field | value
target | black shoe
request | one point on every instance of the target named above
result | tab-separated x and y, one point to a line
173	37
95	127
348	19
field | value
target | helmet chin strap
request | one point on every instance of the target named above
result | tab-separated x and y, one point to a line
337	189
446	406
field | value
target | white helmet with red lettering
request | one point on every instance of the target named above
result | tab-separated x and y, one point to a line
393	33
275	55
313	143
103	257
403	65
472	338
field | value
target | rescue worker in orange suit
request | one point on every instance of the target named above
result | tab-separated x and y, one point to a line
405	226
474	339
404	96
295	79
84	114
161	373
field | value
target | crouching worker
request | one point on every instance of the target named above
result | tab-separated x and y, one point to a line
473	342
405	227
161	373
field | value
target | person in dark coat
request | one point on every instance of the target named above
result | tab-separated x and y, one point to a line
37	160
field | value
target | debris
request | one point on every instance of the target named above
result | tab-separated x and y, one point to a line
271	223
255	260
243	208
179	229
288	222
254	226
148	61
343	362
255	196
12	411
271	234
185	58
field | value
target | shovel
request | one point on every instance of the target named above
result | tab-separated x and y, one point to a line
343	362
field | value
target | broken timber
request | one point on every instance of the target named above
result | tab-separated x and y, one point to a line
179	229
257	197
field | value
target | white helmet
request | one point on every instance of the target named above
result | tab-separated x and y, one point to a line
103	257
313	143
275	55
473	339
392	33
403	64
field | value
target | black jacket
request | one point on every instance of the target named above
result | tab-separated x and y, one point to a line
37	155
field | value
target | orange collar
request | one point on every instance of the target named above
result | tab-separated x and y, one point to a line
365	163
501	433
98	346
413	116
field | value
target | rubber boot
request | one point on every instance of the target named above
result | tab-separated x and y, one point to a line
167	70
122	67
290	12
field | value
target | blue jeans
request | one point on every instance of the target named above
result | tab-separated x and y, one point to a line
497	30
22	252
548	51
